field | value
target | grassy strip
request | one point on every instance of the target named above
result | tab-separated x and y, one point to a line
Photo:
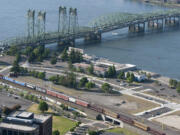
59	123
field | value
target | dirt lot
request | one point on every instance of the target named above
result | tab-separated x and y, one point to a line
6	60
115	102
171	120
9	101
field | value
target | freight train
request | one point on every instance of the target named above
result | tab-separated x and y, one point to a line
82	103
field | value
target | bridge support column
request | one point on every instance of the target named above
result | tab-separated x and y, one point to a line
137	28
155	25
66	43
93	37
132	28
172	21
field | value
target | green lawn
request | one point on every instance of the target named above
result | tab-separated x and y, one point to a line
59	123
122	130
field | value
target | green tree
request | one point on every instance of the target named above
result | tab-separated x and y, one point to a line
13	50
93	133
64	55
178	87
18	57
89	85
53	60
106	87
83	81
91	69
127	75
121	75
42	75
131	78
56	132
43	106
15	68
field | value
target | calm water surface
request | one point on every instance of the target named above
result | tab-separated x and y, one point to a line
158	52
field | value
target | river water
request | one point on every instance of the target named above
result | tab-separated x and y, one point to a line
157	52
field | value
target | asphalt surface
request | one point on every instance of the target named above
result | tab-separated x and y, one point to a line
156	112
10	100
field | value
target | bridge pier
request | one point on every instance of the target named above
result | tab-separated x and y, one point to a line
156	24
137	28
172	21
93	37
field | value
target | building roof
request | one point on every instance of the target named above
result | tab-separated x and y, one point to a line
18	127
26	115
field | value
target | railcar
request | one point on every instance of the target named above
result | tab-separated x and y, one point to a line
125	119
154	132
71	99
51	93
62	96
96	108
40	89
82	103
110	113
141	126
30	86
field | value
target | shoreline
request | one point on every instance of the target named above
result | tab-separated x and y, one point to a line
155	2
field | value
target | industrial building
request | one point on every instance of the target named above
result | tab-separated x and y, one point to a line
26	123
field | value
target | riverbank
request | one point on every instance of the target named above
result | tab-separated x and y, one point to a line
160	3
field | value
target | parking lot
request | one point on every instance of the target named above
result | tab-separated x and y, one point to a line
151	98
10	100
156	112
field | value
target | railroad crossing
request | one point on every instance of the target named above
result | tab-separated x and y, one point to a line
68	29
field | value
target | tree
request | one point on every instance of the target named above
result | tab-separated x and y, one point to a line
131	78
53	60
15	68
42	75
13	50
18	57
149	76
127	75
106	87
56	132
43	106
178	87
93	133
91	69
83	81
64	55
89	85
121	75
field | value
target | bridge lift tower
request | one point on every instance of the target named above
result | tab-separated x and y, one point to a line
41	23
62	22
31	23
73	21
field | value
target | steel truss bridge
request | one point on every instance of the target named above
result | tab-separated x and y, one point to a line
69	30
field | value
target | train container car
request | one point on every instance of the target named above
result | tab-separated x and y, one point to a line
82	103
30	86
20	83
71	99
96	108
110	113
141	126
51	93
125	119
8	79
154	132
40	89
62	96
